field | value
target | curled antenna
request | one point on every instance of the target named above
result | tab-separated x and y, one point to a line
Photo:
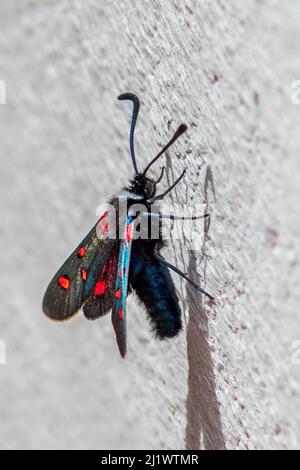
181	129
135	112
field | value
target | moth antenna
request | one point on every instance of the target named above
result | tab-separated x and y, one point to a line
181	129
135	112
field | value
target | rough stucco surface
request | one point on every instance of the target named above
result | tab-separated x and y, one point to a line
225	68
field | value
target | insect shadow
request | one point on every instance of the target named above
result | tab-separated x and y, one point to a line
204	427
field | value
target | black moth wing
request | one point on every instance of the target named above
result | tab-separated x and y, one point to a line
74	281
155	289
101	300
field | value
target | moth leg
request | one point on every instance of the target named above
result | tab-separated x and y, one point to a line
183	275
161	196
173	217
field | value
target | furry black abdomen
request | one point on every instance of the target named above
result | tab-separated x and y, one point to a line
154	287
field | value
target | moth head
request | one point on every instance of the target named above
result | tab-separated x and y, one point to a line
143	186
150	188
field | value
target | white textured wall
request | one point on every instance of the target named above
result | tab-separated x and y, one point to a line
224	67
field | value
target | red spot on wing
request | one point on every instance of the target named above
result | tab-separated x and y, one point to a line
81	252
122	272
128	232
118	294
121	314
101	225
64	282
101	221
84	274
103	217
107	278
100	287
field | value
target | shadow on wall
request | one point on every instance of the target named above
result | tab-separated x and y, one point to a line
204	425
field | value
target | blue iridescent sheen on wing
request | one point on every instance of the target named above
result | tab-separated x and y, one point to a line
119	304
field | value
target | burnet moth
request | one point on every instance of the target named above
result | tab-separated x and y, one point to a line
103	270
